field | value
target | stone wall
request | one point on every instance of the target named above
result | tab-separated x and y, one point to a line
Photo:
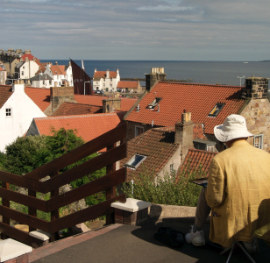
257	114
131	128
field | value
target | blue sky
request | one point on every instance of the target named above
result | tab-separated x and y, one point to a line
138	30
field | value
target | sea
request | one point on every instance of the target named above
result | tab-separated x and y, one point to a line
207	72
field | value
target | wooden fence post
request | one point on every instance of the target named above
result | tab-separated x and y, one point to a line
32	211
55	213
111	192
6	203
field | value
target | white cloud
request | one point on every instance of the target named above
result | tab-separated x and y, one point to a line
162	8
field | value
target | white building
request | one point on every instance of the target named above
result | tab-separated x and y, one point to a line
60	74
3	75
106	80
17	111
42	81
26	69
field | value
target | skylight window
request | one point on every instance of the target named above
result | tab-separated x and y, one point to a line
154	103
216	110
135	161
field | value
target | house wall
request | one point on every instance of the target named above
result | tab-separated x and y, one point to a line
131	129
175	159
3	77
40	84
28	69
257	114
23	110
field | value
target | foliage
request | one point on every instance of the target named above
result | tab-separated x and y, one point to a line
166	190
20	157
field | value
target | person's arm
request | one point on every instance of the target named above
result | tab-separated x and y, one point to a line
215	193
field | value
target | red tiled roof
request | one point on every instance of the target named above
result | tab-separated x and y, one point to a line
29	56
70	108
127	85
41	97
1	69
198	132
5	93
197	162
58	69
199	99
102	74
158	145
87	126
126	103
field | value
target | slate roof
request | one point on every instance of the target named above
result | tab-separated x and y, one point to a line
87	127
41	77
102	74
197	162
157	144
5	93
127	84
199	99
70	108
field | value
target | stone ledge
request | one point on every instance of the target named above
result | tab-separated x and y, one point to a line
171	211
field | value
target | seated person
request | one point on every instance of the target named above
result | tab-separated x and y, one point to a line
238	188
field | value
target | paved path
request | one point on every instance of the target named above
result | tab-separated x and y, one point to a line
124	243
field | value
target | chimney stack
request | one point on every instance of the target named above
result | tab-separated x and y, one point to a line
184	134
256	88
107	74
156	75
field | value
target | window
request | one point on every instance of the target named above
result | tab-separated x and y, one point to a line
154	103
172	168
50	82
216	110
138	130
135	161
8	112
22	73
258	141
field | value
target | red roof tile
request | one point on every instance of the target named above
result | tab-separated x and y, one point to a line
41	97
197	162
70	108
199	99
1	69
5	93
58	69
87	126
29	56
158	145
102	74
127	85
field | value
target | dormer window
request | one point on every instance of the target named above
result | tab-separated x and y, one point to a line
135	161
216	110
154	103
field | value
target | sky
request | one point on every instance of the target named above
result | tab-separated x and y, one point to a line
227	30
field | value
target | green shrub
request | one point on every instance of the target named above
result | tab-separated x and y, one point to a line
164	190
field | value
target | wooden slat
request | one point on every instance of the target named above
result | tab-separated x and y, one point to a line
85	168
6	203
24	218
23	199
54	213
20	235
88	189
81	152
86	214
110	192
21	181
32	211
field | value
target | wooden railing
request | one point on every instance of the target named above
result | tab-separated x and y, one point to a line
32	182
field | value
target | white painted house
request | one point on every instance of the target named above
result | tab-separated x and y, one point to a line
60	74
106	80
3	75
26	69
17	111
42	81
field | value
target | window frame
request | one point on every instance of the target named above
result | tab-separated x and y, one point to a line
132	159
260	136
136	133
8	112
220	106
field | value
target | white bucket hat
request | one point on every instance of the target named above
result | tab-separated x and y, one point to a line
234	127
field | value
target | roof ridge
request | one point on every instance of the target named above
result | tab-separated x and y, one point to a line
202	151
199	84
76	116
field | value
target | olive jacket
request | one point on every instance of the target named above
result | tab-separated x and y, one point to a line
238	193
